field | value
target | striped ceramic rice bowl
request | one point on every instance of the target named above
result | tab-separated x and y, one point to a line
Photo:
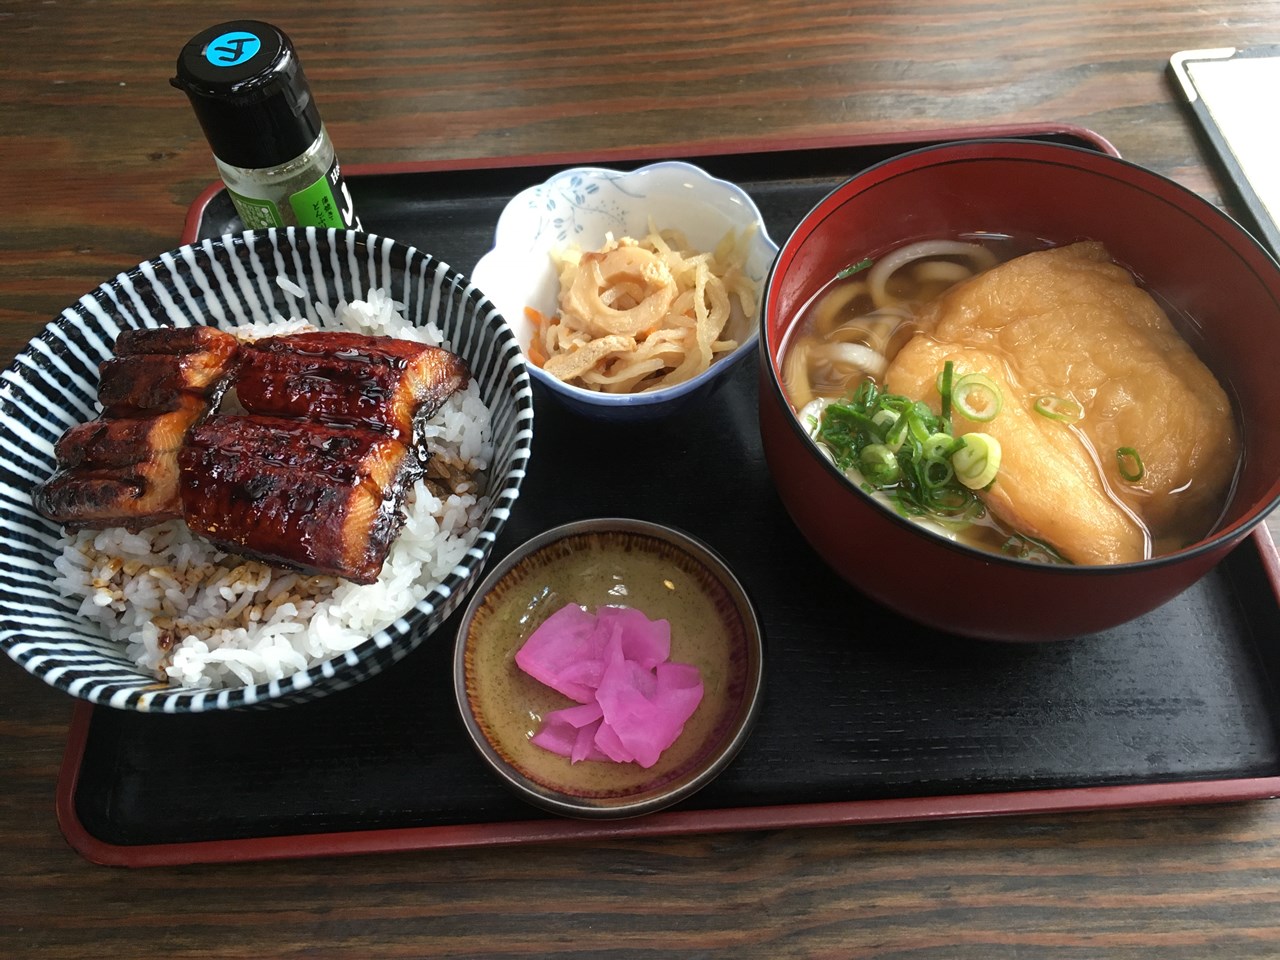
93	613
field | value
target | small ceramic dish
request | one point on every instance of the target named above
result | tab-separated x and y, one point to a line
664	574
580	207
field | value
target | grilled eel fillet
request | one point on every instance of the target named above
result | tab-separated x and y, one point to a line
323	499
347	379
121	469
312	478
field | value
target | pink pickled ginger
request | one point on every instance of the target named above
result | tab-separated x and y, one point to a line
633	702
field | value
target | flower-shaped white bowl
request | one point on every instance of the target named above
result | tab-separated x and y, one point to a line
580	206
53	384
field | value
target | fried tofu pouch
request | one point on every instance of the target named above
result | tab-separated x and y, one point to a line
1072	324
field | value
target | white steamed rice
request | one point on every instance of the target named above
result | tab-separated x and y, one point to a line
199	617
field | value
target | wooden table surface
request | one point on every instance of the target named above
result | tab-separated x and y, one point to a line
99	160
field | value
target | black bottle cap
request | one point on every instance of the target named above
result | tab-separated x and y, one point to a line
249	93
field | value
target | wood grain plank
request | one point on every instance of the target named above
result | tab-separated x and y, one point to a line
99	160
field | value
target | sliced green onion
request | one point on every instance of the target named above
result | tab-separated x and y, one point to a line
976	397
866	393
939	446
896	435
1129	463
893	427
920	419
844	423
1063	409
879	465
936	473
900	448
957	504
978	461
853	268
884	418
944	389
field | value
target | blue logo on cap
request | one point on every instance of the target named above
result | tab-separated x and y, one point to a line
232	49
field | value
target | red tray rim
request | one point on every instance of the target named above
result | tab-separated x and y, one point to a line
670	822
661	824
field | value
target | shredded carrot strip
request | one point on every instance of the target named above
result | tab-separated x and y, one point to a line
536	354
539	320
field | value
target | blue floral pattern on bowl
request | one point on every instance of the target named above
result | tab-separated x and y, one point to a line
577	201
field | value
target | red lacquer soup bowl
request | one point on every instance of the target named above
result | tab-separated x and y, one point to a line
1179	246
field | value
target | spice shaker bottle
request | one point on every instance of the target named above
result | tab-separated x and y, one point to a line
249	93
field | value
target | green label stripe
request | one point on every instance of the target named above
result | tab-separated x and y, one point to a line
256	214
316	207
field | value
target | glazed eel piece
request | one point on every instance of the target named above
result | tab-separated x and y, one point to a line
313	477
347	379
320	498
121	469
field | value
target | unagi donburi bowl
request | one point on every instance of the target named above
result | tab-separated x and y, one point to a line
1175	243
236	279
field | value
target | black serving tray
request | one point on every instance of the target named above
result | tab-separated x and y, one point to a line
866	716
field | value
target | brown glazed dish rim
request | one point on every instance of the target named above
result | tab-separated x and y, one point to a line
729	735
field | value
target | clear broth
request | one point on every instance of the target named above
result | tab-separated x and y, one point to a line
844	311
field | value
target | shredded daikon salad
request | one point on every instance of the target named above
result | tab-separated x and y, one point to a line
639	315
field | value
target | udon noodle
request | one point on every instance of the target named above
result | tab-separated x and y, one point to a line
860	322
639	315
1114	442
